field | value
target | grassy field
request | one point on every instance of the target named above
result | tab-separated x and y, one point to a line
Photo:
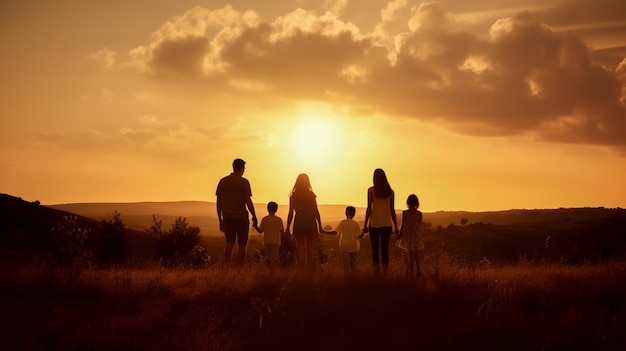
557	284
525	306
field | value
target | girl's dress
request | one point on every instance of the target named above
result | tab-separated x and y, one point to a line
305	221
411	231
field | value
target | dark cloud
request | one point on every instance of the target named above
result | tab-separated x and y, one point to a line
609	57
521	77
184	56
580	12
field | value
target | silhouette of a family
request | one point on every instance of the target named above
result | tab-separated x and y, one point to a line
234	205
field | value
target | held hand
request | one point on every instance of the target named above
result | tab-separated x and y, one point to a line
397	232
255	222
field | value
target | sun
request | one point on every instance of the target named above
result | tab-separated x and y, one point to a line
314	139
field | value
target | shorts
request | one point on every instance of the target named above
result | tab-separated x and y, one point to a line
236	229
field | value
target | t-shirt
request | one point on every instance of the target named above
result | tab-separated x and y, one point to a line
271	226
233	191
380	216
350	231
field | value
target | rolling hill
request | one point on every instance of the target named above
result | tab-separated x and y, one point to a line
26	227
505	236
202	214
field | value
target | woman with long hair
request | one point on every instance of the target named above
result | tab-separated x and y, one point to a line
380	215
307	223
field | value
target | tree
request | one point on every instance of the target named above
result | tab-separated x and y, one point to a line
70	243
176	245
110	243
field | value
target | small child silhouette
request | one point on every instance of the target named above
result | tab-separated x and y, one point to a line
410	238
349	242
272	228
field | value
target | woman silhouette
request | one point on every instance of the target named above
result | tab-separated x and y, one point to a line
380	215
307	223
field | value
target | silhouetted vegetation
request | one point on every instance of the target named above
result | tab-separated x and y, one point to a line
109	244
547	285
175	246
71	243
482	307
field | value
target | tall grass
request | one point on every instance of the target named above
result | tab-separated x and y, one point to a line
547	306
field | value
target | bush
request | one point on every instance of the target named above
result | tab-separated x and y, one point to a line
70	243
175	246
110	243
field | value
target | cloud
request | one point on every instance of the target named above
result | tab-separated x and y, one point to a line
102	95
523	76
105	56
156	140
182	47
583	12
389	19
336	6
600	23
621	74
149	120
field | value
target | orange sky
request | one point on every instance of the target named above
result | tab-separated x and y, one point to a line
481	105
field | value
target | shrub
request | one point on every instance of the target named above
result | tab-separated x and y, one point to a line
176	246
110	243
70	243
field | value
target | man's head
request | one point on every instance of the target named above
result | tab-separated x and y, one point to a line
239	165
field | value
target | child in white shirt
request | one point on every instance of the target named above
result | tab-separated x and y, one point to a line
349	242
272	228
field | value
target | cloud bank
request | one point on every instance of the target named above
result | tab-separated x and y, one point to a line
521	77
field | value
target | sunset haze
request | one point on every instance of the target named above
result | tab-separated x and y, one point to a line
482	105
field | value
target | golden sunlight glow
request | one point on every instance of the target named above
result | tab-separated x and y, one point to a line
334	89
314	139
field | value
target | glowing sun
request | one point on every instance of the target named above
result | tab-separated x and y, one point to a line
314	139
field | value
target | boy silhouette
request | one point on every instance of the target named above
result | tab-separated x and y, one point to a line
272	229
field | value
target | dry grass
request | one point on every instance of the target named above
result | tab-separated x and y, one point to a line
486	307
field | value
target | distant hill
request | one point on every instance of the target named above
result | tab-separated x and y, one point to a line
28	224
502	236
176	208
565	240
26	227
138	215
517	216
203	214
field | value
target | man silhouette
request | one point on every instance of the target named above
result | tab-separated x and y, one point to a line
234	195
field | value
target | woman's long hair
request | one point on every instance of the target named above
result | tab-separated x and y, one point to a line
302	185
382	189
